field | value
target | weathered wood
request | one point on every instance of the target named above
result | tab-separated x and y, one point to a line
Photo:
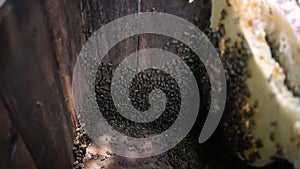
39	43
188	154
14	152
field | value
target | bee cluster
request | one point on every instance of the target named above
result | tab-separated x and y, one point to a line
250	123
142	85
188	153
236	125
236	121
81	142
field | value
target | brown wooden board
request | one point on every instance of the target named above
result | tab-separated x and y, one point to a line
13	151
39	43
186	155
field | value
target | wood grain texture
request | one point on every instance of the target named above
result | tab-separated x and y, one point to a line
40	41
14	152
188	154
36	61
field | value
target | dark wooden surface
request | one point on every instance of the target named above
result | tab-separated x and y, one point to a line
40	41
14	152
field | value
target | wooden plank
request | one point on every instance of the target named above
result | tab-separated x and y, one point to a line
188	154
41	43
41	40
35	71
14	152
